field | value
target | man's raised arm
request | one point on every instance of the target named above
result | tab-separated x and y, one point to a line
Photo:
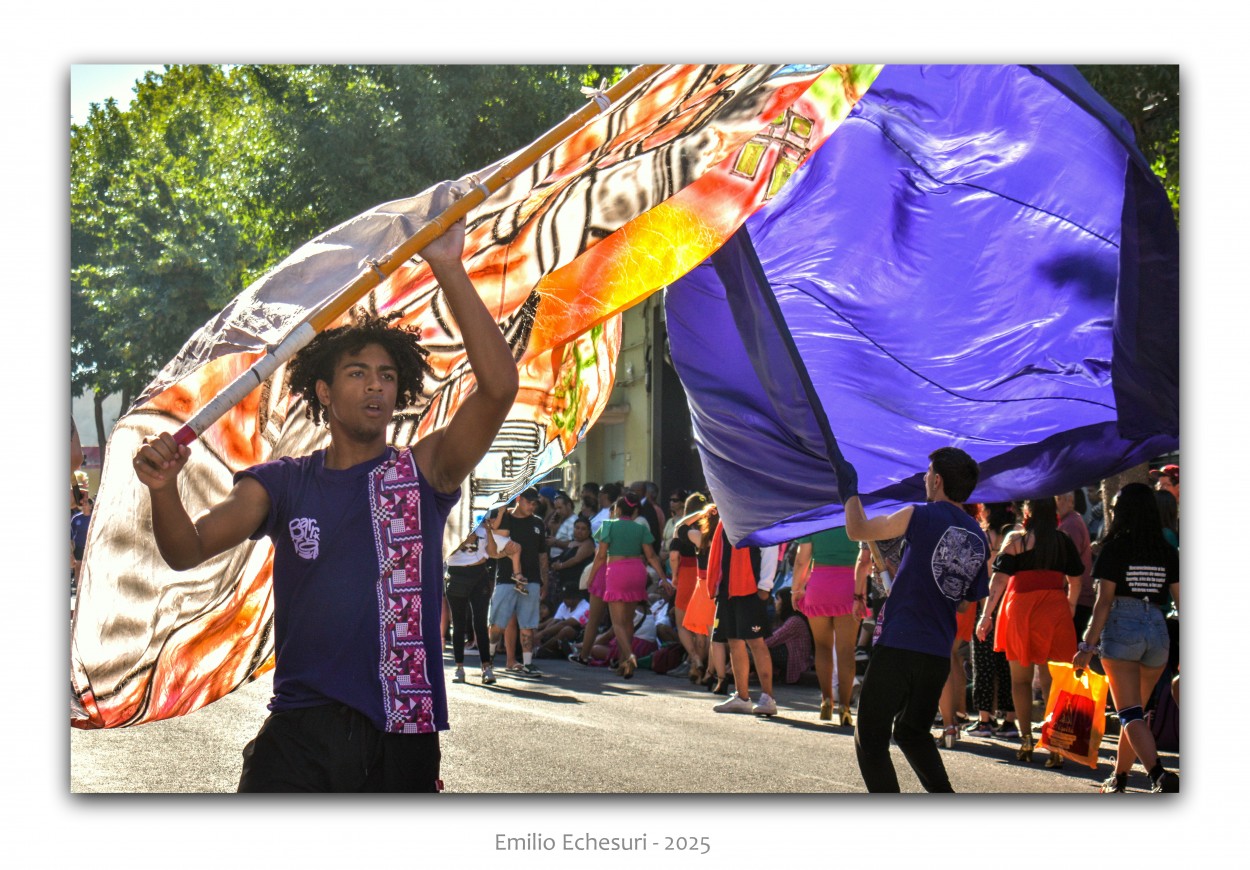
860	528
447	457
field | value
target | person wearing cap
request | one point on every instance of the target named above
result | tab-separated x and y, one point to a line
520	594
1168	479
546	501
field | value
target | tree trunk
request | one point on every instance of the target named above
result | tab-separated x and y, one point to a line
98	402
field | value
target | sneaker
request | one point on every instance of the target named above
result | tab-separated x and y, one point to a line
766	706
735	704
1117	783
459	677
1007	731
1169	783
488	676
981	729
531	671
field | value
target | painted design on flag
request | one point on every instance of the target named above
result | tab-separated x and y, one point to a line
626	205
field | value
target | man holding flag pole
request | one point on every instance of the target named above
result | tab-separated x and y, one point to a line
357	529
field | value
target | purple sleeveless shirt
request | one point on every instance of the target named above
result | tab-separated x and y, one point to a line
357	584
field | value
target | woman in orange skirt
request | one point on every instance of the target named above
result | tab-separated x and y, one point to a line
1038	577
684	564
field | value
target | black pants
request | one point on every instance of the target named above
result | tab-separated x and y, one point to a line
333	748
991	677
1080	619
469	611
900	692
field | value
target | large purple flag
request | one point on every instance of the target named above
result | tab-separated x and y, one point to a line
979	256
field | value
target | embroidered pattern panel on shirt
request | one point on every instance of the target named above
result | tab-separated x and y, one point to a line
395	495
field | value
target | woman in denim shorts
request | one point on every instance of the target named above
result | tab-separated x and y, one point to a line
1137	575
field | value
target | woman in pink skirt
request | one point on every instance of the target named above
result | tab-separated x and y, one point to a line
825	591
622	545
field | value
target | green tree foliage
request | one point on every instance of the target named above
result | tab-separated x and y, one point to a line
213	175
1149	98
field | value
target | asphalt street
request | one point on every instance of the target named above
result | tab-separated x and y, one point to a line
577	730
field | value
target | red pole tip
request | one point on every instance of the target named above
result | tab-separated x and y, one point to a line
184	436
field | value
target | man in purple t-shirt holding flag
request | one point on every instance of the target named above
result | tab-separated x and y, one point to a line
942	572
357	528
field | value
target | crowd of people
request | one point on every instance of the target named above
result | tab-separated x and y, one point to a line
613	579
1066	578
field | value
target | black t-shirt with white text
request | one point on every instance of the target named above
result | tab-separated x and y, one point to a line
1137	577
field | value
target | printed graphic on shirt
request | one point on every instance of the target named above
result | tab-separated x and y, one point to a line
1146	579
305	537
957	559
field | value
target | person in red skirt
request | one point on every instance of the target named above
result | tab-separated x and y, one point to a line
1037	575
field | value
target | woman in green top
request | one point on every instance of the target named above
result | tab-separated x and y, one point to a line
826	591
622	544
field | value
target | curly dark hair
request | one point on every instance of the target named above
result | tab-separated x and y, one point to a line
317	361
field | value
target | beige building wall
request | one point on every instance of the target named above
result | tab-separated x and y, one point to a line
620	445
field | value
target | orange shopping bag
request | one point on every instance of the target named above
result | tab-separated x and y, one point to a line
701	611
1075	717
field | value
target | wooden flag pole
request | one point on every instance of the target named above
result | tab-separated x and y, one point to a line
882	567
377	272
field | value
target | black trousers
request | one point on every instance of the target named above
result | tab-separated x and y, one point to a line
333	748
469	612
1080	619
900	693
991	677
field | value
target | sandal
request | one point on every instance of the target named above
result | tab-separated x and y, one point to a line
628	666
519	581
1025	752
